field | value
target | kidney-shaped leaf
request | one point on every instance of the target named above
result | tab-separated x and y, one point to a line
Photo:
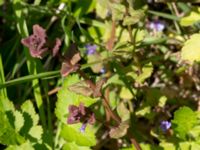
191	49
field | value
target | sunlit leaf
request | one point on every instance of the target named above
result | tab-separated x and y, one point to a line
73	146
118	11
146	73
125	93
120	131
167	146
67	97
102	8
191	49
123	111
191	18
184	120
24	146
8	135
72	133
19	120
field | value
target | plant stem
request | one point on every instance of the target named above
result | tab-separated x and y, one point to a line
105	101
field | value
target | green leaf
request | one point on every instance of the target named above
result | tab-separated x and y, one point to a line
183	122
136	16
189	146
102	8
6	104
30	129
84	8
28	107
146	73
191	49
24	146
150	147
191	18
118	11
143	111
167	146
195	133
8	135
73	146
125	93
66	98
72	133
144	147
36	132
123	111
162	101
19	120
95	57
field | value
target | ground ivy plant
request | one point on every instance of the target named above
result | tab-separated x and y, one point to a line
99	75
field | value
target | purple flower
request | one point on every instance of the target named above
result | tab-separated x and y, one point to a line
157	26
91	49
82	129
76	113
36	42
165	125
80	114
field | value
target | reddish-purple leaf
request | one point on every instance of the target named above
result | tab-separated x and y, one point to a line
36	42
97	89
70	64
68	68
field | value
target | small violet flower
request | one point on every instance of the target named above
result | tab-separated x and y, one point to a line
157	26
165	125
82	129
80	114
91	49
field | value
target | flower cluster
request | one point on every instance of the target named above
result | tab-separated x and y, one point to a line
80	114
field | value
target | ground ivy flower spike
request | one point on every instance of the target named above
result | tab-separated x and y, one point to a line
81	114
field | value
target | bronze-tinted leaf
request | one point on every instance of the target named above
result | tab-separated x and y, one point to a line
67	68
81	88
97	90
70	63
75	59
119	131
72	54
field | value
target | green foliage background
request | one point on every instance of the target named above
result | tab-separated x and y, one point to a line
152	75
